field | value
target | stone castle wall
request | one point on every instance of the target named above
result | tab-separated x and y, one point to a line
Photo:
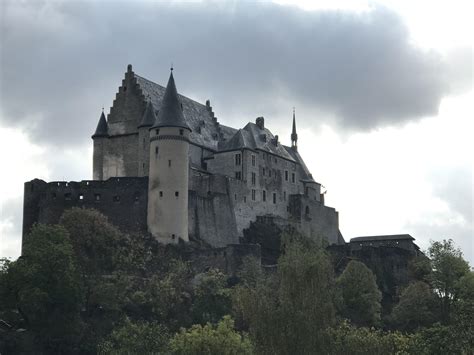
122	200
219	207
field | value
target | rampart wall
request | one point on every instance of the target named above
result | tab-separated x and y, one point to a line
122	200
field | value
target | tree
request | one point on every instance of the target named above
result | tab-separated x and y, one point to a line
211	340
95	241
44	287
211	297
136	338
360	294
448	267
287	312
348	339
307	294
415	308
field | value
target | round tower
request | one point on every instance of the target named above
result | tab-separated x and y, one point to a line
167	216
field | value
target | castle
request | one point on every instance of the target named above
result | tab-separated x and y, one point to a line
163	164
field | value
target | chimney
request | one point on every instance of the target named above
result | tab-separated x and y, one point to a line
260	122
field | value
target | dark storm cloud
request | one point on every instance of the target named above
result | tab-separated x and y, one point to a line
62	61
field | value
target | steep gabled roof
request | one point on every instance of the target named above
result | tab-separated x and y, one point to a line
102	127
205	129
304	171
149	116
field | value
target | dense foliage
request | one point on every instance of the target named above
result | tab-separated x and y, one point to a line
84	287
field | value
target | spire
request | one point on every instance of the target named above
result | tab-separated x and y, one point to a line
294	136
149	117
102	127
171	112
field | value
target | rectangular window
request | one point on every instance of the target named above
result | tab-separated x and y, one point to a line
238	159
176	193
253	195
274	197
181	132
238	175
264	195
286	175
284	195
253	160
270	172
169	162
293	178
245	199
156	150
158	131
263	171
254	178
161	193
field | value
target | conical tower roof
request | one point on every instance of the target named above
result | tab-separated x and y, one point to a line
171	113
102	127
149	117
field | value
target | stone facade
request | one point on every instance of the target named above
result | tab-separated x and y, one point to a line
220	179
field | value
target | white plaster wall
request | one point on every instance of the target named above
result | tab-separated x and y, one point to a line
168	214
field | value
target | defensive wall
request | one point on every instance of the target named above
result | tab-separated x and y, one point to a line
220	207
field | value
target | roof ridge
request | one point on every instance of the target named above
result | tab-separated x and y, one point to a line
180	95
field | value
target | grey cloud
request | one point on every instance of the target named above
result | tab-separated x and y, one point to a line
63	60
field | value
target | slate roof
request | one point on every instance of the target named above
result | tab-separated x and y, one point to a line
303	169
198	116
383	237
207	132
171	110
254	137
149	116
102	127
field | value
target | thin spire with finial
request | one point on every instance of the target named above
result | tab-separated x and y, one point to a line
294	136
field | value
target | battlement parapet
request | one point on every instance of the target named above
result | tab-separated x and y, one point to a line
122	200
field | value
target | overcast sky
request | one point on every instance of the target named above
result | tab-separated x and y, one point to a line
383	95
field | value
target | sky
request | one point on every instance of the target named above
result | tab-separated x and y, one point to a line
383	94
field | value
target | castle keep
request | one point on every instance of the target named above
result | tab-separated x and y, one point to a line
163	164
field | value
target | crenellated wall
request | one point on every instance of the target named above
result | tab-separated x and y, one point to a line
122	200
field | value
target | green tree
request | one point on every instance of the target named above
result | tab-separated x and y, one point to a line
360	294
287	312
348	339
168	296
136	338
44	287
415	308
211	297
448	267
211	340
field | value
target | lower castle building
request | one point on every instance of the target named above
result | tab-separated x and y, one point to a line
163	164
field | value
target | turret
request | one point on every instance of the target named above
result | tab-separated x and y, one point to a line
100	140
294	136
147	121
167	216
